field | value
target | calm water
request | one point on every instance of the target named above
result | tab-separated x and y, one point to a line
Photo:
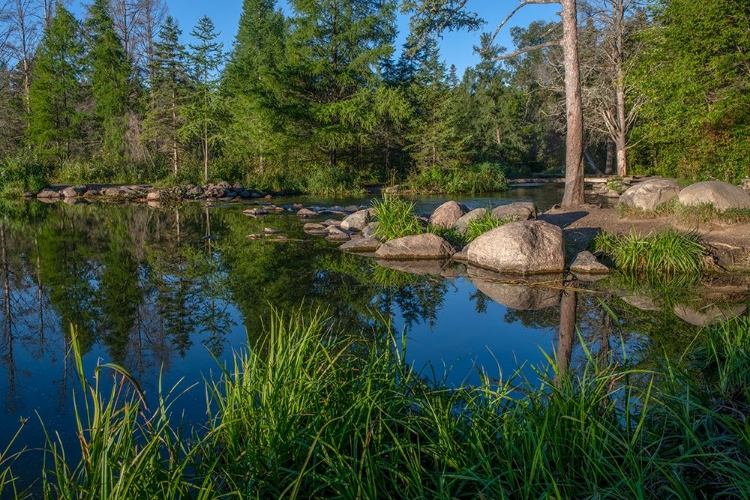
164	291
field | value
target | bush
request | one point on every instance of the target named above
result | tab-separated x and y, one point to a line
395	218
22	173
669	252
478	178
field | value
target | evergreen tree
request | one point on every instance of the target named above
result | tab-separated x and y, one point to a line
252	85
202	114
110	75
694	76
55	95
336	51
169	82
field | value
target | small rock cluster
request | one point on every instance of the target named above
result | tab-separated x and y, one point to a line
221	191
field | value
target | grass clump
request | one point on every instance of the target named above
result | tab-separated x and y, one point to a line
449	234
626	211
395	218
484	223
707	213
669	252
22	173
483	177
725	358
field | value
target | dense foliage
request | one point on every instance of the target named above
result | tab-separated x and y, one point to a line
322	91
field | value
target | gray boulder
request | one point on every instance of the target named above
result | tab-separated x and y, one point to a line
587	263
746	184
447	214
48	194
650	194
364	245
721	195
420	246
335	233
369	229
528	247
306	212
358	220
520	210
463	223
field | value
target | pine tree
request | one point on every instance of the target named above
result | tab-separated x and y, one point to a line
202	115
168	89
110	79
336	52
54	94
252	84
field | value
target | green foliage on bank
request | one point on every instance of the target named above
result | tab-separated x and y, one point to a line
310	411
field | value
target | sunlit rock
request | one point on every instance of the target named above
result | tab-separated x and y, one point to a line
447	214
358	220
721	195
650	194
520	210
527	247
463	223
587	263
420	246
361	245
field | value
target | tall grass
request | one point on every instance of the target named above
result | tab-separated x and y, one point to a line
395	218
481	225
477	178
669	252
308	411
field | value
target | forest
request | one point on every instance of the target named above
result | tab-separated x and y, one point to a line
318	98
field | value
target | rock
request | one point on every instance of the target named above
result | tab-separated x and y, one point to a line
337	234
521	297
586	263
245	194
331	222
463	223
153	196
520	210
195	191
48	194
746	184
306	212
270	230
420	246
721	195
462	254
361	245
447	214
311	226
392	189
650	194
529	247
255	212
369	229
358	220
72	192
113	191
708	315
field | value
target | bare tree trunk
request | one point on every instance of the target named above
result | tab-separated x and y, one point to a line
621	140
608	167
574	174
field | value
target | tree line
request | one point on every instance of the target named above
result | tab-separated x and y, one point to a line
320	96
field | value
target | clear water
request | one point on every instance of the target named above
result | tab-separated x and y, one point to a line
165	291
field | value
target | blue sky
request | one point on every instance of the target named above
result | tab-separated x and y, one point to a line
456	48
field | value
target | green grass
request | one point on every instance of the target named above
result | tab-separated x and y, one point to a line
666	253
481	225
308	411
664	209
725	358
449	234
395	218
477	178
706	213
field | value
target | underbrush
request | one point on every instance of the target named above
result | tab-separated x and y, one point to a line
478	178
707	212
395	218
627	211
22	173
311	412
669	252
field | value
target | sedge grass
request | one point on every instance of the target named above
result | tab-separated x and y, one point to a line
395	218
666	253
484	223
309	411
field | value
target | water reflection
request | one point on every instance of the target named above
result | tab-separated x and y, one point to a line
165	290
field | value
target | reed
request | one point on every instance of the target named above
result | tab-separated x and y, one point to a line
309	411
395	218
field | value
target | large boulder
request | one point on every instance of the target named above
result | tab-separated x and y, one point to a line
49	194
358	220
528	247
447	214
420	246
462	224
520	210
721	195
650	194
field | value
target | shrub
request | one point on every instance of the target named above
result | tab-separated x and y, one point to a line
395	218
666	253
21	173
